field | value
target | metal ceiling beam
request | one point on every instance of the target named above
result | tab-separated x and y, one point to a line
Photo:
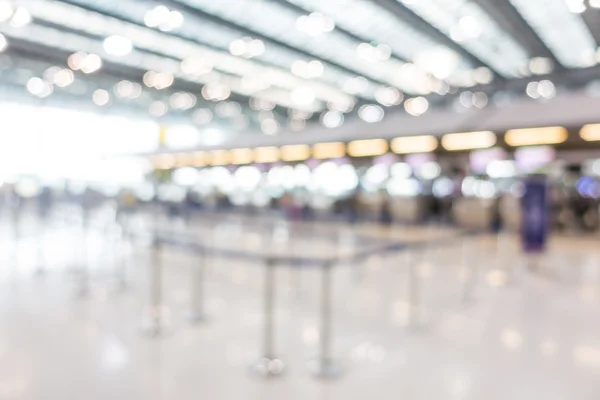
513	23
301	11
591	17
176	4
361	100
407	16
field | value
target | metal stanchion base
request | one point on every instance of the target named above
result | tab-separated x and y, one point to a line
268	367
325	369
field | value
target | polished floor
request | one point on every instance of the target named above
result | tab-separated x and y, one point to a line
425	312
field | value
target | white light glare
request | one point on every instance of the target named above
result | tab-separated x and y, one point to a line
416	106
6	10
21	17
269	126
196	66
202	116
158	109
3	43
595	3
543	89
118	45
576	6
37	87
315	24
164	19
356	85
307	70
247	47
158	80
371	113
372	53
303	96
388	96
87	63
182	101
332	119
128	90
541	65
467	28
101	97
216	91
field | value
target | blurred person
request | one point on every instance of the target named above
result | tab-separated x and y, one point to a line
496	215
385	216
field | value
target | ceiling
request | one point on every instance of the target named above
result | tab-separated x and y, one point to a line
272	66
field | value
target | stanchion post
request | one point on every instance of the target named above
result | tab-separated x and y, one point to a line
325	366
83	288
269	365
471	272
197	314
156	321
123	257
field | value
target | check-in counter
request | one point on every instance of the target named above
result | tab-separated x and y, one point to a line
406	209
473	213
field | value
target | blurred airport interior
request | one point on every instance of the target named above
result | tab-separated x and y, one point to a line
298	199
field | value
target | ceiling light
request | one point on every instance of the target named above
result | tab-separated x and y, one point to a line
541	65
216	91
228	109
356	85
268	154
158	109
388	96
101	97
414	144
63	78
576	6
532	90
367	148
470	27
439	61
158	80
329	150
6	10
91	63
261	104
302	96
332	119
416	106
76	60
535	136
118	45
3	43
196	66
269	126
466	99
469	140
21	17
483	75
480	100
590	132
202	116
128	90
546	89
295	152
372	53
247	47
595	3
315	24
220	157
162	18
241	156
182	101
343	106
37	87
307	70
371	113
